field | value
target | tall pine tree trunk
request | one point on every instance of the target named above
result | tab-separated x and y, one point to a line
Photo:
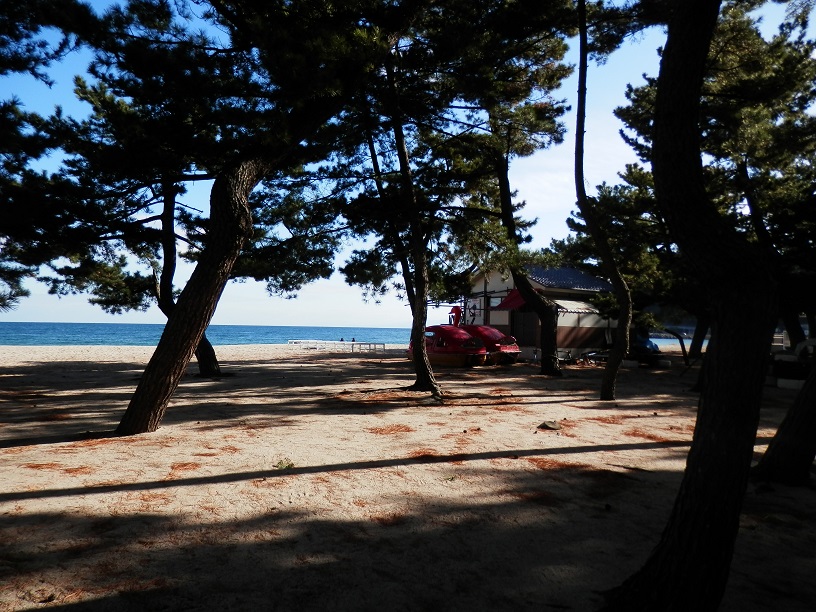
389	233
689	567
425	380
596	229
790	455
230	226
698	338
546	309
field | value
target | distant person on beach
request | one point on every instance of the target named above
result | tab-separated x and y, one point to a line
341	340
353	340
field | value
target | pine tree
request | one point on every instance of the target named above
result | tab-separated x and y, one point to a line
689	567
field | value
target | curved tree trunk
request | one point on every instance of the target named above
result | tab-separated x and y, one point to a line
790	318
596	229
790	455
698	338
230	226
546	309
619	347
689	567
208	365
682	342
697	387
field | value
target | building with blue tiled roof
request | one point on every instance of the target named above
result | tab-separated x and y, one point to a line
568	279
496	302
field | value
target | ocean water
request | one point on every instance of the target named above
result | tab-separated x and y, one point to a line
673	343
147	334
138	334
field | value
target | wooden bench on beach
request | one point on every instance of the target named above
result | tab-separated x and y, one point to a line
338	345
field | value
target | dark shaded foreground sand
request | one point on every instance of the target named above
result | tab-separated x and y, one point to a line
311	481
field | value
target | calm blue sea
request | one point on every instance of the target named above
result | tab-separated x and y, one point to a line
673	343
137	334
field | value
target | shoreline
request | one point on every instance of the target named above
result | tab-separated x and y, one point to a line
45	353
230	348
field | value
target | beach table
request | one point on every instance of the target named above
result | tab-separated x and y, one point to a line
338	345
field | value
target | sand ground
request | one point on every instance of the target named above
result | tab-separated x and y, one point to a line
312	481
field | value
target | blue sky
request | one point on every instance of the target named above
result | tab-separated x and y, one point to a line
544	181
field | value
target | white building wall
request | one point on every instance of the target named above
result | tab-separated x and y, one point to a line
497	288
569	324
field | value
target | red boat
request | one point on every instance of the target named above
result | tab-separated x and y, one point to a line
452	346
501	348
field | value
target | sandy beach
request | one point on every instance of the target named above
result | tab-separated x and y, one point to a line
308	480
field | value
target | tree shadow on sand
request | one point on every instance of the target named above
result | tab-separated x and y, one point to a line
549	532
74	400
553	537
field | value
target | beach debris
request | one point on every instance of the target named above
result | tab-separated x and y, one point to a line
285	464
549	425
433	399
